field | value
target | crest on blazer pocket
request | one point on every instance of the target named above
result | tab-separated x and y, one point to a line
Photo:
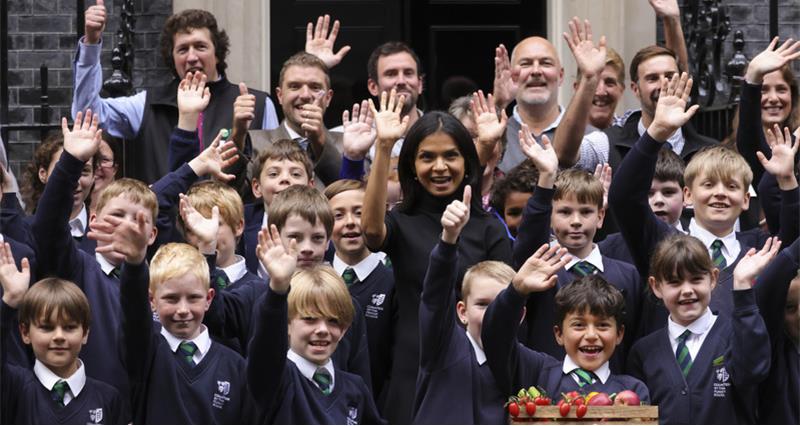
721	377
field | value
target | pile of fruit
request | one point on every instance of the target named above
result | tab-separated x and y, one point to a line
524	403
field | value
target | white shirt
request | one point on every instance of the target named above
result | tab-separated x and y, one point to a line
48	379
480	356
595	258
595	147
362	269
308	368
602	373
730	245
236	270
202	341
77	226
105	265
699	328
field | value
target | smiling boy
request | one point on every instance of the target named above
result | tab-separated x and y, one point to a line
295	379
54	321
589	327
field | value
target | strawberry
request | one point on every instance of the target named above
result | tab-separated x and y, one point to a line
530	408
581	411
513	409
564	409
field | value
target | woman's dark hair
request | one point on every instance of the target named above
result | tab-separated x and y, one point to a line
31	187
430	123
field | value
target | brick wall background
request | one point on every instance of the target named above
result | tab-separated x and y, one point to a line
44	32
752	18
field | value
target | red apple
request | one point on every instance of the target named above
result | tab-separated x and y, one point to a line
600	398
627	397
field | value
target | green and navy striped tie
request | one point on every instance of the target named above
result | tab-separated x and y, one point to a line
59	390
186	350
323	379
583	268
716	255
584	377
682	353
349	276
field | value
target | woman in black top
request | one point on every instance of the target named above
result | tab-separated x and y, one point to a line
437	160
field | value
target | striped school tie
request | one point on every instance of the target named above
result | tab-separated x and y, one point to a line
59	390
349	276
583	268
222	280
716	255
682	353
584	377
186	350
323	379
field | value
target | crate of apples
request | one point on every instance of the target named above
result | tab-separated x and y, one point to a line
533	405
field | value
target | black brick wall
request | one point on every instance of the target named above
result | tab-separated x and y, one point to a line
752	18
44	32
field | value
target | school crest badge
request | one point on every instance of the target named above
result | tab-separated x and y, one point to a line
96	415
377	299
223	387
352	415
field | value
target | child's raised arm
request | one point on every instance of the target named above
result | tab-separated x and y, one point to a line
502	318
51	223
390	127
14	282
534	230
357	139
491	125
279	260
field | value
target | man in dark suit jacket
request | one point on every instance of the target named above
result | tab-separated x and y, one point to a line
304	94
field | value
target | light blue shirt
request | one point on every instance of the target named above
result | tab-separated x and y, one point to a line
121	117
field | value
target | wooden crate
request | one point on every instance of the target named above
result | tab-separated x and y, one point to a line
607	415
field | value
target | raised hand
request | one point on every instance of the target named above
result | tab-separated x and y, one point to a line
543	156
83	141
313	125
666	8
781	163
359	135
205	229
320	44
279	260
244	110
456	216
193	98
14	282
122	239
771	59
216	158
602	172
591	58
95	22
753	262
389	125
671	112
490	126
505	81
538	273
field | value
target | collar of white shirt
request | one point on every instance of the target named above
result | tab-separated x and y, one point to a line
480	356
48	379
595	258
362	269
77	226
308	368
698	327
730	245
602	373
105	265
676	139
202	341
552	125
236	270
292	134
